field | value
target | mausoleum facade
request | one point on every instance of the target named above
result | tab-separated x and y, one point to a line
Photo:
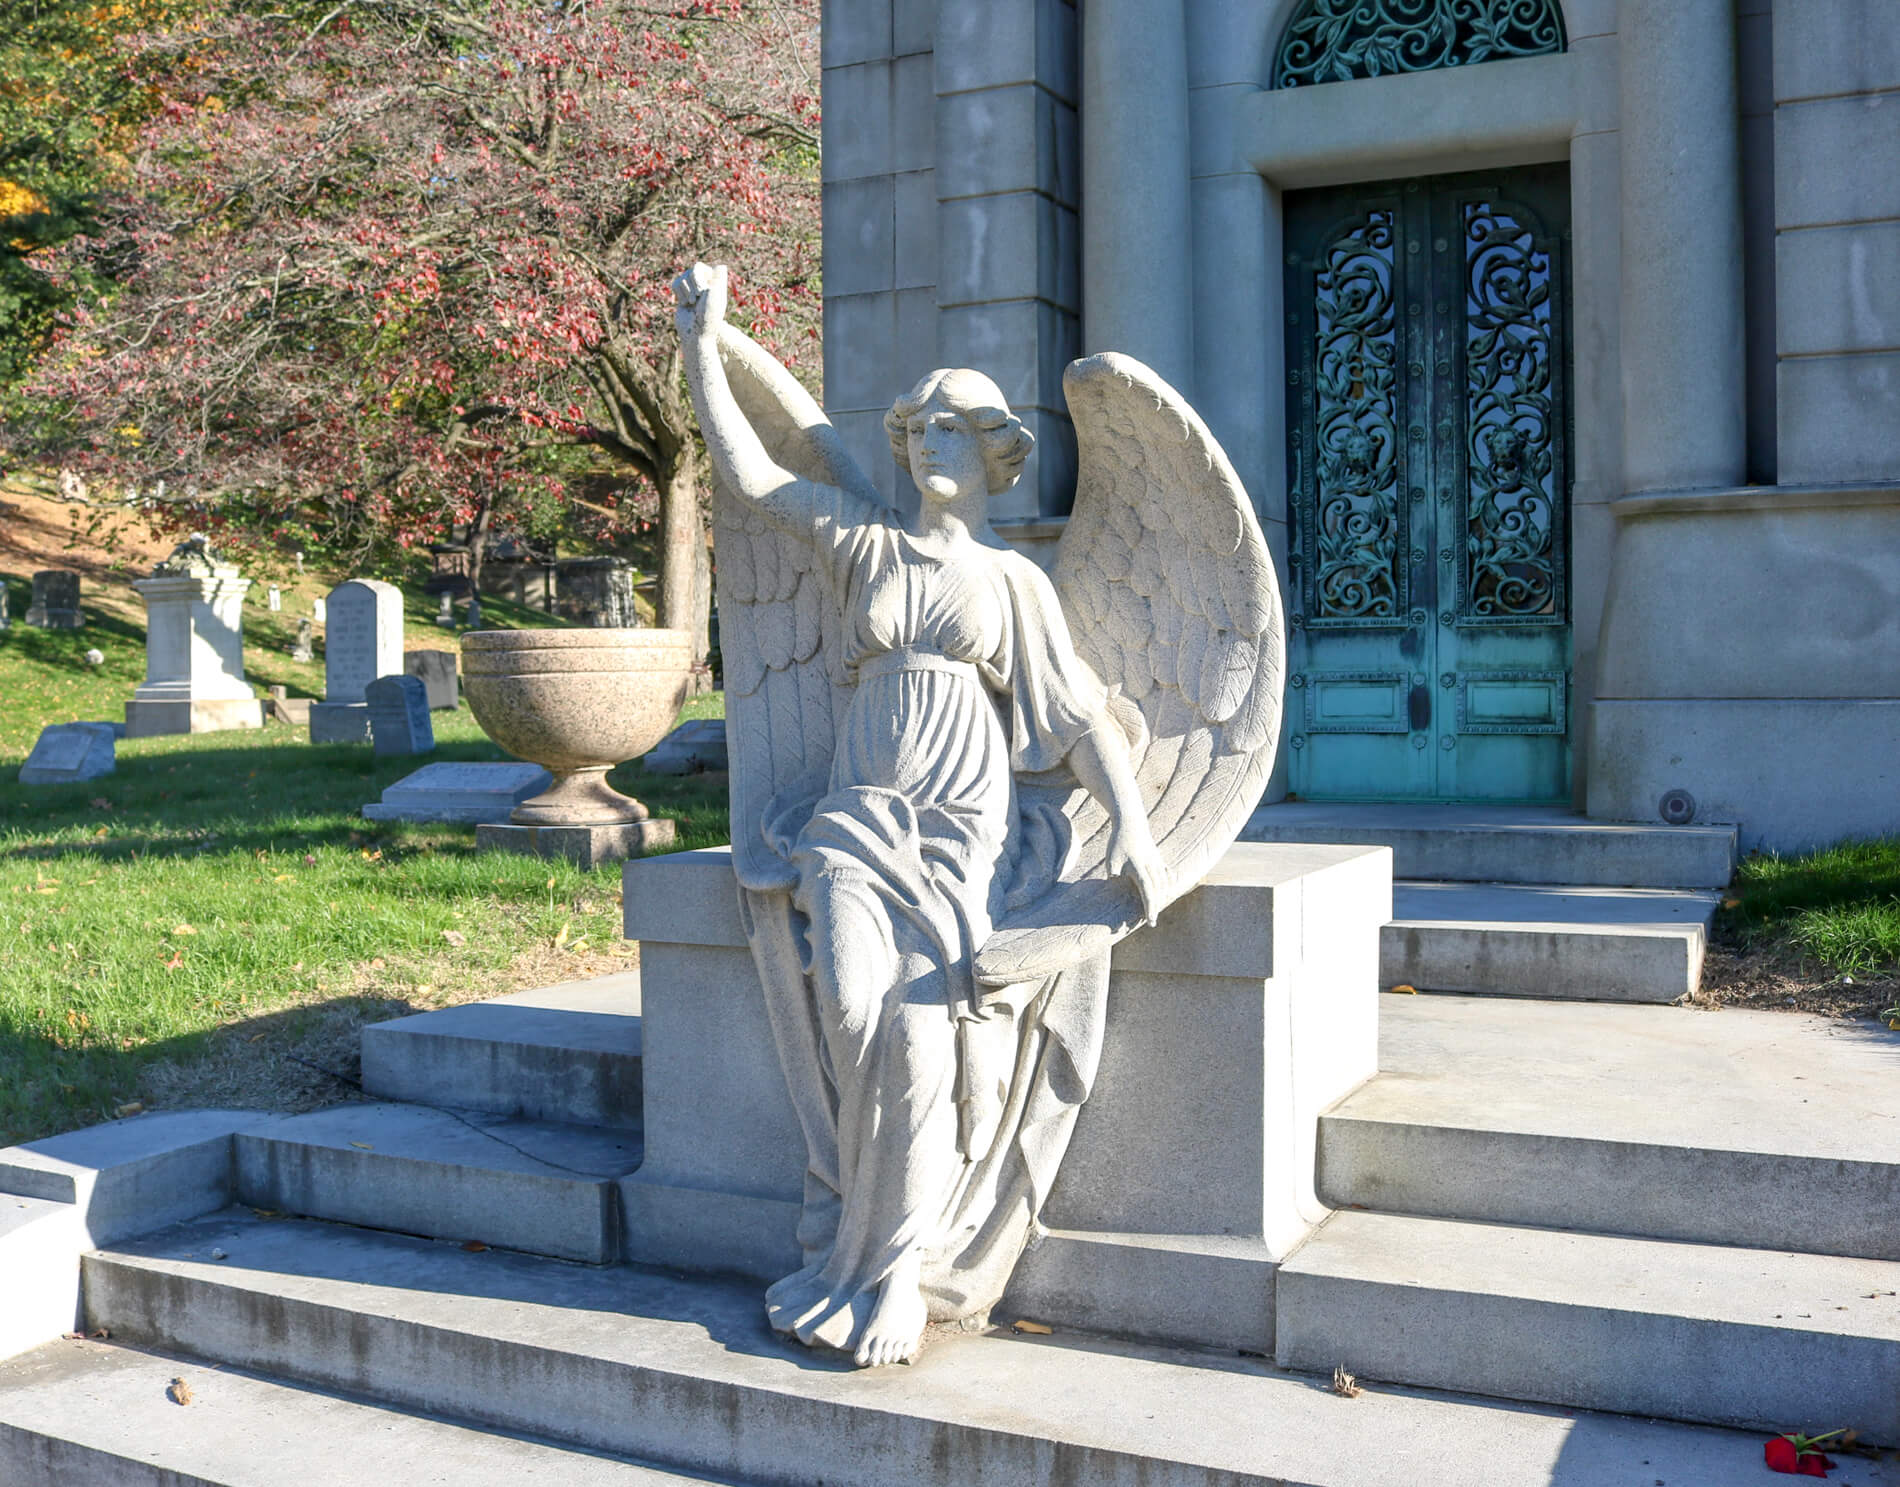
1557	343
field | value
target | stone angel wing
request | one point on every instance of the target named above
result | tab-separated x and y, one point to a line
778	620
1171	596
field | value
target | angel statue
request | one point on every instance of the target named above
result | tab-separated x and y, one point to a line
956	782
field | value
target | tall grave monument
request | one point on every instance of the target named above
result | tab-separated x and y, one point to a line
362	641
194	648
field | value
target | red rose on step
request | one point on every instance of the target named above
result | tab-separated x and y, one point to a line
1793	1456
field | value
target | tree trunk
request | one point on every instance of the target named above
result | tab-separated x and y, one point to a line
476	541
685	596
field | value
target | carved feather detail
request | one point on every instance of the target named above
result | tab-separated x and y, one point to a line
1169	589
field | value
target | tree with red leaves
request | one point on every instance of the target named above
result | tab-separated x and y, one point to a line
398	269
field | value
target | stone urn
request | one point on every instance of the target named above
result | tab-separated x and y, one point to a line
576	702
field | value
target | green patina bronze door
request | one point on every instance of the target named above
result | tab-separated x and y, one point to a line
1428	365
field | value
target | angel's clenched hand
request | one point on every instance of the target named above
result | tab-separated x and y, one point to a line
700	294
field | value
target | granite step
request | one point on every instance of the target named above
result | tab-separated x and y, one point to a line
95	1414
1753	1338
1547	941
1769	1129
568	1053
531	1185
684	1371
1509	844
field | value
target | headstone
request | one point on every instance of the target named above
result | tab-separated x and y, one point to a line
194	647
474	611
362	640
297	558
598	592
445	612
5	622
67	752
303	648
470	794
319	611
276	600
690	748
436	669
55	603
399	716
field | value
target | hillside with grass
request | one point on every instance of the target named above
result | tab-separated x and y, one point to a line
213	923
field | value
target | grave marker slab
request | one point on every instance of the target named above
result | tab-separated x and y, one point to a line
304	647
436	671
399	716
67	752
55	603
471	794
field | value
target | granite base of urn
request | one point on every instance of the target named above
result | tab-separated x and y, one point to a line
586	846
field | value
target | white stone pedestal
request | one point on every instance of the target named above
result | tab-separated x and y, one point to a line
1249	1009
194	657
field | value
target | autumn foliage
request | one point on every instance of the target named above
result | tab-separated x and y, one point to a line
392	270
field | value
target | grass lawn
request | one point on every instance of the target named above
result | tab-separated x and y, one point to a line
215	918
1821	929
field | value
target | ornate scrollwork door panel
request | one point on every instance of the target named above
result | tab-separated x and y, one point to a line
1429	466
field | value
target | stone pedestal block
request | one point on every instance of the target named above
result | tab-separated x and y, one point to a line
194	651
1249	1009
584	846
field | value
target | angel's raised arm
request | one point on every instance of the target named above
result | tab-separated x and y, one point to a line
792	500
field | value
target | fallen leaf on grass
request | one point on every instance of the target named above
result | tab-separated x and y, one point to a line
176	961
455	937
178	1392
373	856
1035	1329
100	803
377	964
1344	1384
183	929
561	938
98	1334
474	1246
135	1107
283	878
1407	990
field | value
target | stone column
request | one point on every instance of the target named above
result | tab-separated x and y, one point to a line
1837	241
1682	331
1137	253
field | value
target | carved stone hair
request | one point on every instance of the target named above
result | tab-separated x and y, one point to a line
1004	440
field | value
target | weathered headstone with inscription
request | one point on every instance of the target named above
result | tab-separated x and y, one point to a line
437	672
194	647
304	647
362	640
55	603
399	715
67	752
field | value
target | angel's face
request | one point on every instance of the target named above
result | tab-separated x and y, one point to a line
946	453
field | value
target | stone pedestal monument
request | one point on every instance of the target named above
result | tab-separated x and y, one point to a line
194	648
362	640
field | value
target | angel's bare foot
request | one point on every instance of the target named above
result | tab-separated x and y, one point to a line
896	1329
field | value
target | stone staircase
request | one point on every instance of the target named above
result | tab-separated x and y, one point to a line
1571	1207
1530	900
